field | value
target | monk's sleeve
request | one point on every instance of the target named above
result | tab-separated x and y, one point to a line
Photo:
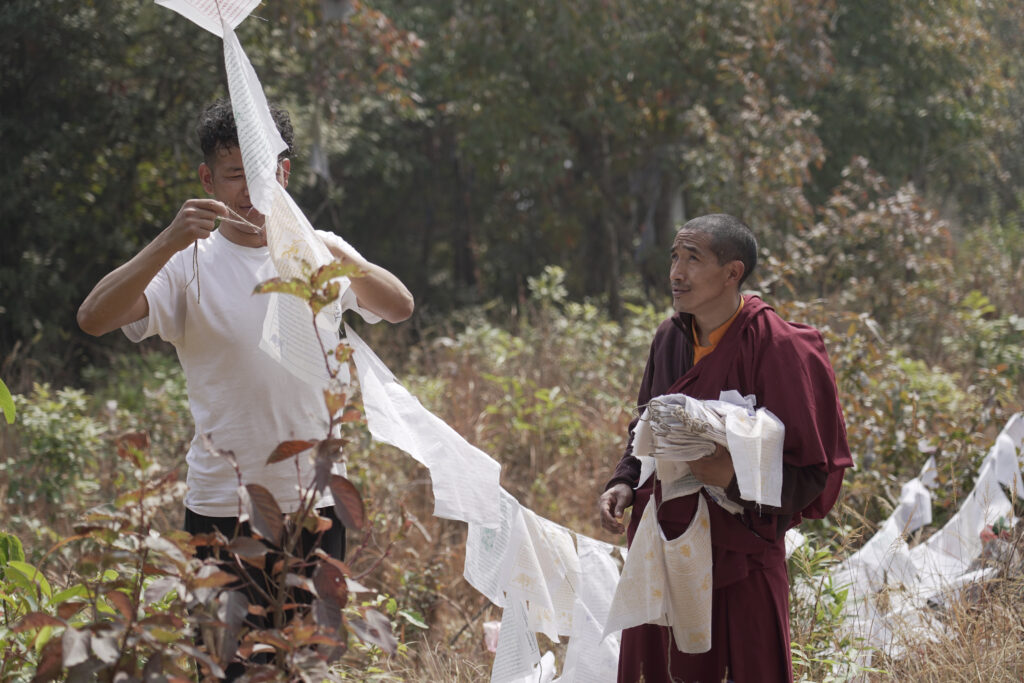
628	469
800	487
796	382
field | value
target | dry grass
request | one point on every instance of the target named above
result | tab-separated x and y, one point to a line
983	640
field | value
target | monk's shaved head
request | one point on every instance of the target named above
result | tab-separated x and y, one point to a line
731	239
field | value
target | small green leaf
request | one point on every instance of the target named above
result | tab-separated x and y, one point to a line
6	402
10	549
32	574
291	286
413	618
332	270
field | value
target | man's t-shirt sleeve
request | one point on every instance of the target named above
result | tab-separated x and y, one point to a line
165	295
348	301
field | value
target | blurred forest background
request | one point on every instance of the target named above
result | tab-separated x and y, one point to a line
523	167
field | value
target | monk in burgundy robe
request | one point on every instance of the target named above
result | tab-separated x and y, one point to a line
720	340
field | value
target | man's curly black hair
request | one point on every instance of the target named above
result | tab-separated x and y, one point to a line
216	128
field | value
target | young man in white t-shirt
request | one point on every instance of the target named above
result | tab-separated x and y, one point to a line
202	303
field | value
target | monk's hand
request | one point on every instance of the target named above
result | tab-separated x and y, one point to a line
613	504
715	469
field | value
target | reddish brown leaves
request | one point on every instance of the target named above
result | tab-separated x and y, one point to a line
215	580
264	514
132	445
122	603
36	620
348	504
51	662
329	582
334	401
289	449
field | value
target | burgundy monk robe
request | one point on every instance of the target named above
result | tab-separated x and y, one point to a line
785	366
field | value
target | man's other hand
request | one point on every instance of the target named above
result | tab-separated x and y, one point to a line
613	504
715	469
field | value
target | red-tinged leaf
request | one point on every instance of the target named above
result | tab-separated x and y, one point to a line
352	415
51	662
289	449
330	584
68	609
258	562
334	401
332	270
330	448
214	539
375	629
348	504
284	286
215	580
36	620
247	546
323	641
123	604
265	514
321	300
165	620
153	570
132	445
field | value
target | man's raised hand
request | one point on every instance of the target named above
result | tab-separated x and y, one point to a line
196	220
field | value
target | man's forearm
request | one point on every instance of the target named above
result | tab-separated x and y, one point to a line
383	293
119	298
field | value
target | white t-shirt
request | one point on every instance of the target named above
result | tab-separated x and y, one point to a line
244	400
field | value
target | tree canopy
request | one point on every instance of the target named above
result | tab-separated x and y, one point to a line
468	145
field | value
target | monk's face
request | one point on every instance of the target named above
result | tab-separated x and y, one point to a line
700	284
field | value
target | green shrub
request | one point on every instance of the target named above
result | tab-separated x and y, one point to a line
57	441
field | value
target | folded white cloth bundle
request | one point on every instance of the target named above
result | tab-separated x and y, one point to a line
676	429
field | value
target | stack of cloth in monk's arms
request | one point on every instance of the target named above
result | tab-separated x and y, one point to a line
666	581
683	429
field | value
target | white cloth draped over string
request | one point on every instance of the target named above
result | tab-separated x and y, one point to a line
916	579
